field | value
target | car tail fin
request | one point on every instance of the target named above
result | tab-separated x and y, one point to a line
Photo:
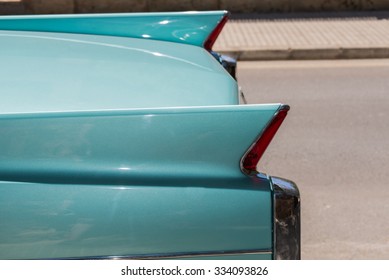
254	153
142	145
194	28
208	44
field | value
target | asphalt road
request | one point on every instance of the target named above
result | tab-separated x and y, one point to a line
335	145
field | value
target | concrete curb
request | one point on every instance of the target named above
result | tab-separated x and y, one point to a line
308	54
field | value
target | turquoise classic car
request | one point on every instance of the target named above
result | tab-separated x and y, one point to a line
124	137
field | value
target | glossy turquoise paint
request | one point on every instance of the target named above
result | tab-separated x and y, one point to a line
41	72
59	221
118	147
131	182
183	27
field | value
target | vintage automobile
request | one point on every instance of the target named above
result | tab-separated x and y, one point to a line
124	137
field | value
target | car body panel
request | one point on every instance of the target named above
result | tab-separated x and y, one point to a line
187	28
67	72
130	145
84	221
98	180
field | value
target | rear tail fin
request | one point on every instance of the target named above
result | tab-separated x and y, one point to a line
142	145
254	153
194	28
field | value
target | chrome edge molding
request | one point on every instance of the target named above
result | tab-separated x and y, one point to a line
287	232
175	255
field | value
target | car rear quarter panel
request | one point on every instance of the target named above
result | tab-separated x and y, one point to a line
84	221
56	72
133	182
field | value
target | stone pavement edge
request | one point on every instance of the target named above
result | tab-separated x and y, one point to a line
306	36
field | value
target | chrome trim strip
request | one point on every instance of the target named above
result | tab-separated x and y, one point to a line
286	219
175	255
242	97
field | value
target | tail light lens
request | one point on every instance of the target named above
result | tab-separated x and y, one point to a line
253	155
215	33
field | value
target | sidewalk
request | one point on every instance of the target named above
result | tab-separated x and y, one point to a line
306	36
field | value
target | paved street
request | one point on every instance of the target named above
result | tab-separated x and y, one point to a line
335	145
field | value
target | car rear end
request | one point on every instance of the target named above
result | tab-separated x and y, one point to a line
125	139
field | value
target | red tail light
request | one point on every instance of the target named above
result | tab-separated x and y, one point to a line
215	33
253	155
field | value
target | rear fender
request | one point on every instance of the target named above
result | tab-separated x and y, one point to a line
147	183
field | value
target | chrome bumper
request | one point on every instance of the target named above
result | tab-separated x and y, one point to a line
286	209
